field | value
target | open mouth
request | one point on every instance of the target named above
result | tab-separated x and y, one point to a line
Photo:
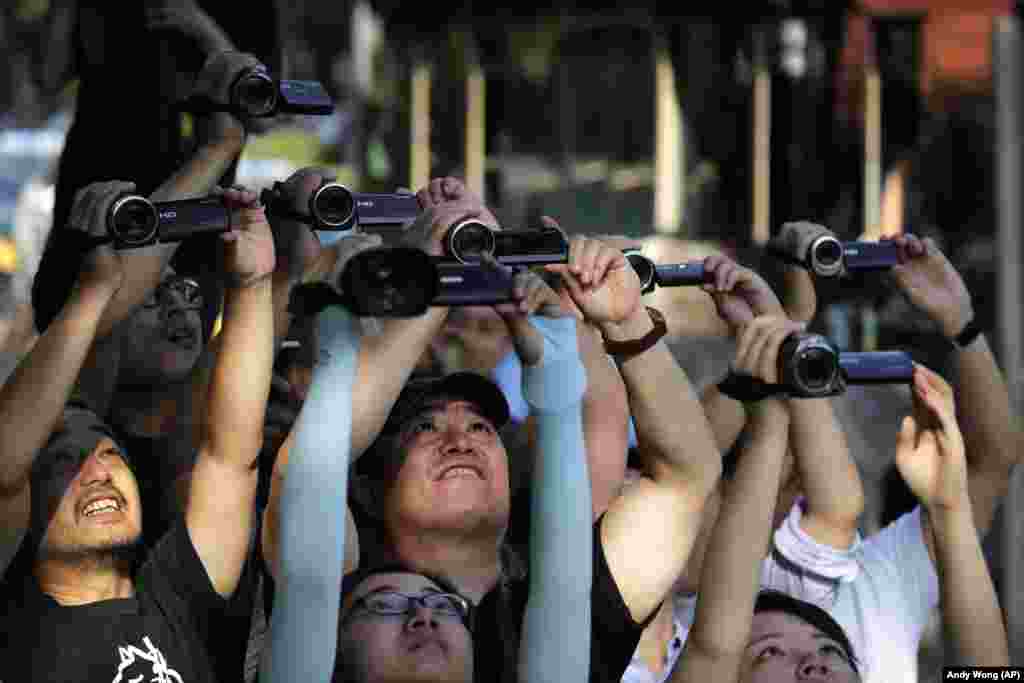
101	507
461	470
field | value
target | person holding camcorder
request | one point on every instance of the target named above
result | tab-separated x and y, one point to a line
71	496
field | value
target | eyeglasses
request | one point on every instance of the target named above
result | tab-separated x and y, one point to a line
391	603
187	293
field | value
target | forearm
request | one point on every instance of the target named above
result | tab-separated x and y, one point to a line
732	564
990	427
240	382
556	625
143	268
970	608
303	634
672	430
385	363
831	481
605	421
34	396
725	415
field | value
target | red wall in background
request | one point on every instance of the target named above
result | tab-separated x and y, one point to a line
956	41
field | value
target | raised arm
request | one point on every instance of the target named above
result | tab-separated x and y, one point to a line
831	482
732	565
220	507
557	622
221	139
679	452
32	399
313	502
930	456
991	430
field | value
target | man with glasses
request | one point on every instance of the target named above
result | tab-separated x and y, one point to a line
398	625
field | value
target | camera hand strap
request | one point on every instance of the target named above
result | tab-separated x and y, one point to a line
747	388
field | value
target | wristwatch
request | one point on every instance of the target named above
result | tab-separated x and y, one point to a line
967	335
634	347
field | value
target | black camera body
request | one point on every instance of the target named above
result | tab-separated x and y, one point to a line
669	275
811	366
133	221
817	249
257	94
395	282
334	207
466	241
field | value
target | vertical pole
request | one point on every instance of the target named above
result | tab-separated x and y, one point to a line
669	192
872	136
761	165
419	137
872	172
476	139
1007	75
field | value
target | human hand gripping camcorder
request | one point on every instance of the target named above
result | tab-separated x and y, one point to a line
133	221
817	249
811	366
335	207
257	94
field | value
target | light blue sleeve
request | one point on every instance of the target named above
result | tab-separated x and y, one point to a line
555	642
508	375
304	629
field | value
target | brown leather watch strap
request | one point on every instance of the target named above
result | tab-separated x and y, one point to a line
634	347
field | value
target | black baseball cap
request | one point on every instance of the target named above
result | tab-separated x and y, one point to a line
457	386
418	395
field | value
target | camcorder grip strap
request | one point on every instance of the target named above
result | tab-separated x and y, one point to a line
200	104
82	242
277	206
747	388
311	299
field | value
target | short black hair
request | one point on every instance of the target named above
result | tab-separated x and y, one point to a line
777	601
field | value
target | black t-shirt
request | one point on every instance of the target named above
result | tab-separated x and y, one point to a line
157	463
160	635
614	635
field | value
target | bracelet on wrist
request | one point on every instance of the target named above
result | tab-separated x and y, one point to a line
622	350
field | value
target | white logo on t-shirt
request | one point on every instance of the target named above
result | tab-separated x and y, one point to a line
131	655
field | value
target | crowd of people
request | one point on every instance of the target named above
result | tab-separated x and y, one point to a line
297	493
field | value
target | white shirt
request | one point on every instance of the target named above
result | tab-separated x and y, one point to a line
881	590
683	612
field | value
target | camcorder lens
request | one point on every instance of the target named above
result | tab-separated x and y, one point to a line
816	368
333	205
256	94
644	268
469	240
390	282
133	221
828	253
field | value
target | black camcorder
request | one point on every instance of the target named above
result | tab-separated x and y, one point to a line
817	249
335	207
466	241
669	275
257	94
134	221
811	366
395	282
